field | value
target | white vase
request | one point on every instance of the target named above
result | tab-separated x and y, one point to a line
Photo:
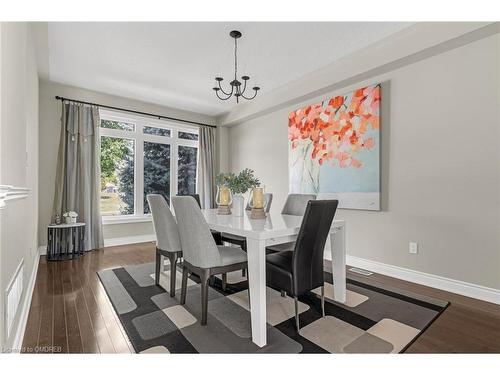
238	201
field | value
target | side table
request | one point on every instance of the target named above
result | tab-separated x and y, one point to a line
65	241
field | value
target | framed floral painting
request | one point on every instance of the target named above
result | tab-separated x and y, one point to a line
334	149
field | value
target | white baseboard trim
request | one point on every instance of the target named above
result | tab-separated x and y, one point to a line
450	285
25	308
129	240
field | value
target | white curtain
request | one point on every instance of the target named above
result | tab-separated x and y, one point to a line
206	176
79	170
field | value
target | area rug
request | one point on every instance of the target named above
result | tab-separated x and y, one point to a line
374	319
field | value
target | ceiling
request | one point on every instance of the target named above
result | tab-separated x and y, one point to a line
174	63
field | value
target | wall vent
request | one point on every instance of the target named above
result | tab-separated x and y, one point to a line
361	271
13	295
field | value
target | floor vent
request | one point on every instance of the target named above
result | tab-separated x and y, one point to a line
360	271
13	297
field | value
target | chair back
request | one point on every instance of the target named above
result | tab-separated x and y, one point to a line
198	245
268	197
167	233
195	196
307	262
296	204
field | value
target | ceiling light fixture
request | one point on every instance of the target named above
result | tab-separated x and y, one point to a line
236	89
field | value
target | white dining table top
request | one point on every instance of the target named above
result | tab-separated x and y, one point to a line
275	224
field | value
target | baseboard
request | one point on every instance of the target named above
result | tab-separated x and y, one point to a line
42	250
129	240
450	285
25	308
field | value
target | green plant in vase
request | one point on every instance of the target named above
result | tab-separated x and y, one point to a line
240	184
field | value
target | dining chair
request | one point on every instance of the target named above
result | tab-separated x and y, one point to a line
242	241
201	254
295	205
168	243
216	234
301	270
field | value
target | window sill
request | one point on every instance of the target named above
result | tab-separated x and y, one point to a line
109	220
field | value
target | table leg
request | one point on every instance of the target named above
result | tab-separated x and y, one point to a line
338	248
256	250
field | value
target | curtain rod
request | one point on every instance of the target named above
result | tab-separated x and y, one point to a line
136	112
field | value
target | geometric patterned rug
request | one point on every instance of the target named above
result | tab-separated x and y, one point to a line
374	319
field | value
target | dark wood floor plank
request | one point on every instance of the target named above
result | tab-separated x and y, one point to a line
72	321
100	329
89	340
47	307
60	337
466	326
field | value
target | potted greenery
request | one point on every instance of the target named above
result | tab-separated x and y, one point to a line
240	184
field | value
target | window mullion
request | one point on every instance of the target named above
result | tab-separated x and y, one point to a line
139	183
174	163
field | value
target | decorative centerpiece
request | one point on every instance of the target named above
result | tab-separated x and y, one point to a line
257	202
224	197
70	217
238	185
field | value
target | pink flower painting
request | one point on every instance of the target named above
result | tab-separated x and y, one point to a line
334	148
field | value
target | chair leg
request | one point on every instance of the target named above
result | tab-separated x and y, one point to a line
323	300
283	294
173	274
184	284
158	268
204	296
224	281
297	324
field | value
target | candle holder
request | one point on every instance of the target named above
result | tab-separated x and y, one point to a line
223	199
257	202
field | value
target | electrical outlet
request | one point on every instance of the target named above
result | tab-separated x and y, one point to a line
413	249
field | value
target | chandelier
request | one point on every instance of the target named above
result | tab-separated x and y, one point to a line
236	88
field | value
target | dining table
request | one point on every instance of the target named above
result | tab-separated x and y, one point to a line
276	228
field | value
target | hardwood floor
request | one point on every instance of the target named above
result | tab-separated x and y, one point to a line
71	313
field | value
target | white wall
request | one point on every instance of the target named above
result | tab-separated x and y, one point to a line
440	164
50	115
19	160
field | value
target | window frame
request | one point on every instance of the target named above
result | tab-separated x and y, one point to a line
139	138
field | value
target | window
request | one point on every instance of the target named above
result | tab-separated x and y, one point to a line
141	156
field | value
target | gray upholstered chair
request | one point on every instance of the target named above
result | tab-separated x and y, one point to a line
168	242
217	235
200	253
295	204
